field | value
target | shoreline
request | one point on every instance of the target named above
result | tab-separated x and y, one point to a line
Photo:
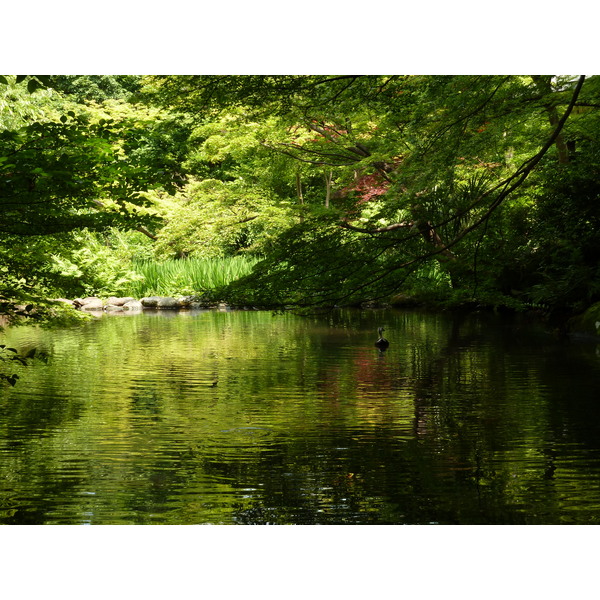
563	325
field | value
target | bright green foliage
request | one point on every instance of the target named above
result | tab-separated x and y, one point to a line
93	265
19	107
84	88
236	198
212	219
53	174
416	169
188	276
447	189
60	174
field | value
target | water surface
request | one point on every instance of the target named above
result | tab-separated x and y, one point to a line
242	417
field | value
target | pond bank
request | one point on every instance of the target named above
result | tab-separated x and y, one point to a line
122	304
584	325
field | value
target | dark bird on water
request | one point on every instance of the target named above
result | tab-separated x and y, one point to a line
381	343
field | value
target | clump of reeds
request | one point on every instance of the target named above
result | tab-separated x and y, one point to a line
187	276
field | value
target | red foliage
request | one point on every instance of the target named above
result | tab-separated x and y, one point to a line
369	187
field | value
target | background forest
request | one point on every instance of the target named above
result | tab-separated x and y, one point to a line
300	191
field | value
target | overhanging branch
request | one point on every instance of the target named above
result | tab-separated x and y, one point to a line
507	186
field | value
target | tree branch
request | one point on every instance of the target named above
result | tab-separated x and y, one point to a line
139	228
520	175
393	227
506	187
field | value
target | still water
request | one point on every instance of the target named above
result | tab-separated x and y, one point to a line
243	417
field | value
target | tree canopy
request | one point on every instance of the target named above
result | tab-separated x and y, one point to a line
395	172
350	189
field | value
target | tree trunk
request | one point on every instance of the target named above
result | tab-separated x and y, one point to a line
544	84
300	196
328	179
299	189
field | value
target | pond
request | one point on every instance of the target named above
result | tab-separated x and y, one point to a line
244	417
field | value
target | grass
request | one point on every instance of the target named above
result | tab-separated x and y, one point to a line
188	276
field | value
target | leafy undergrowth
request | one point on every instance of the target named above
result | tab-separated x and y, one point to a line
186	276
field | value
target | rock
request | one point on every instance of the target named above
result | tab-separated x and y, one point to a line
373	304
168	303
162	302
133	305
150	301
113	301
186	301
92	303
113	308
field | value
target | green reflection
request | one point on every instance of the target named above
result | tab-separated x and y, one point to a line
244	417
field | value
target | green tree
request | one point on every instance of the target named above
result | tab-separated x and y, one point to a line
413	170
214	219
86	88
61	174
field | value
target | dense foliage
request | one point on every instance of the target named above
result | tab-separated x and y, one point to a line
342	189
435	187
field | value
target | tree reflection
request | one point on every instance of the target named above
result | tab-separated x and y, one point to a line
465	419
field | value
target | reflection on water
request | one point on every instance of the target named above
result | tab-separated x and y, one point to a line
250	418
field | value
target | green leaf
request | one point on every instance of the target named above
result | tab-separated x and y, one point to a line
3	80
32	85
21	78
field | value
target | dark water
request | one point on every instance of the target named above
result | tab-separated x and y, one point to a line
249	418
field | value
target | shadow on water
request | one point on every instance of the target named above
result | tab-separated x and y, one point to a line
248	418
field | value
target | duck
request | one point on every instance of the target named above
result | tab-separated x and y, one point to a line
381	343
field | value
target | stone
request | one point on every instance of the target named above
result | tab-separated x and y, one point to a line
113	308
92	303
150	301
185	301
168	303
114	301
133	305
161	302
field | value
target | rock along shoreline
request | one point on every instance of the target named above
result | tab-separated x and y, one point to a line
128	304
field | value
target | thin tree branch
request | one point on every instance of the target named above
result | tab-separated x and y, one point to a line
393	227
520	175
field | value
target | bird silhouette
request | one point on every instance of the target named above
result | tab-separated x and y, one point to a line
381	343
